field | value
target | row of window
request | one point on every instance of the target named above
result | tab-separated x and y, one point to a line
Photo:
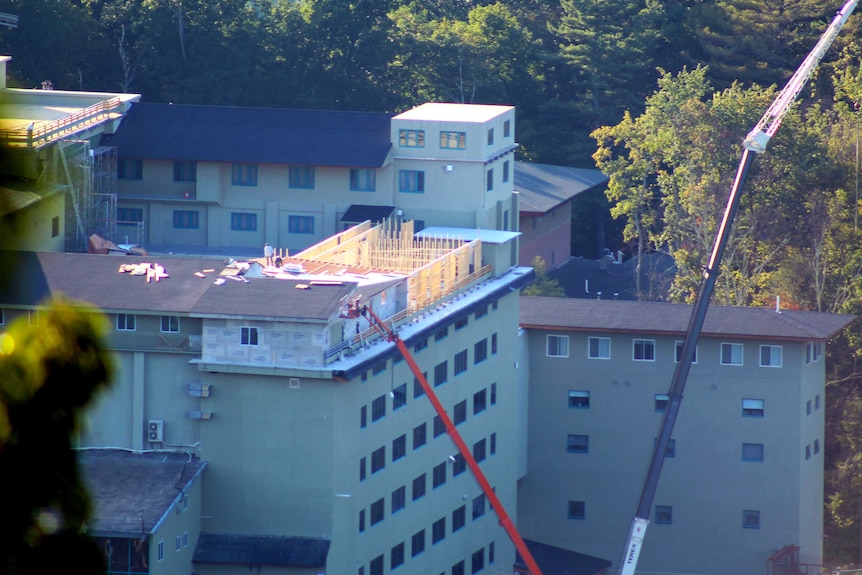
451	140
580	443
662	514
168	323
376	512
180	542
417	547
239	221
751	407
645	350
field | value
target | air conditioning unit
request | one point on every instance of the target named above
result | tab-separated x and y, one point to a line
156	431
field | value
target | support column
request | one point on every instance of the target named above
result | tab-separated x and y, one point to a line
138	407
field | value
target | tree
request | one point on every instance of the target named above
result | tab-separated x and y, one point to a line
543	285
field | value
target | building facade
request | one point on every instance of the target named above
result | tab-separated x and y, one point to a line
743	475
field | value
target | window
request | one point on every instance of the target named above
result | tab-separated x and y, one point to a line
750	519
678	352
419	487
300	224
480	351
130	215
420	345
663	514
2	316
420	433
378	459
661	401
459	518
362	180
453	140
438	475
599	348
460	412
481	312
490	136
128	169
363	416
438	530
411	138
770	356
489	180
579	399
506	171
480	401
752	407
418	390
399	397
186	220
178	543
378	367
376	566
578	443
161	550
458	568
817	401
378	408
185	171
670	450
643	350
441	334
461	323
808	407
417	543
300	177
378	509
479	450
243	222
362	469
243	174
439	426
170	324
399	447
459	466
399	499
752	452
477	560
493	344
185	538
248	336
493	394
491	553
125	322
361	520
813	351
731	354
461	362
411	181
507	128
577	510
493	443
816	446
558	346
478	506
441	373
807	452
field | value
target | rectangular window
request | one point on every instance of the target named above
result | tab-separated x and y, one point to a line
731	354
243	222
459	518
817	401
493	344
480	401
161	550
480	351
579	399
557	346
243	174
411	181
399	396
460	412
816	446
481	312
363	180
300	177
599	348
417	543
807	452
752	452
441	373
477	561
808	407
411	138
399	499
125	322
438	476
439	426
643	350
663	514
490	136
130	215
399	447
458	568
507	128
418	390
361	520
461	323
420	345
770	356
248	336
506	171
478	506
419	487
752	407
578	443
420	436
493	394
479	450
378	408
670	450
661	401
453	140
461	362
376	566
378	459
300	224
750	519
577	510
170	324
441	334
378	509
813	351
363	416
362	464
2	316
378	367
185	171
186	220
489	180
438	531
459	466
130	169
493	443
677	355
178	543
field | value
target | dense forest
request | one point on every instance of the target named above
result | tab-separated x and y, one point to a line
656	93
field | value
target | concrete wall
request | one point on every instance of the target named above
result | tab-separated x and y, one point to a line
548	236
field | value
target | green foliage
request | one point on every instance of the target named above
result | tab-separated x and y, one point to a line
50	372
543	285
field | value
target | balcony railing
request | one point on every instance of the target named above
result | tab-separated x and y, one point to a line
38	134
155	341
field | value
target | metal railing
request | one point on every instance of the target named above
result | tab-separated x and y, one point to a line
154	341
40	133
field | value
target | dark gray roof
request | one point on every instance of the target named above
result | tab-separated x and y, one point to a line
254	135
659	317
96	279
132	492
262	550
542	187
358	213
558	561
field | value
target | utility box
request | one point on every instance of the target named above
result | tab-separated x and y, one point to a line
156	431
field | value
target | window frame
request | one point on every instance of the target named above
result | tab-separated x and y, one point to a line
576	510
125	321
377	512
751	519
130	169
249	336
577	397
450	137
411	138
186	220
753	407
732	347
362	180
677	351
770	351
172	326
555	349
243	174
300	224
598	350
185	171
460	362
300	177
243	221
411	181
663	515
753	452
643	350
577	443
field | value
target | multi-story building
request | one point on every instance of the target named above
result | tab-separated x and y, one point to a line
205	177
316	435
743	475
